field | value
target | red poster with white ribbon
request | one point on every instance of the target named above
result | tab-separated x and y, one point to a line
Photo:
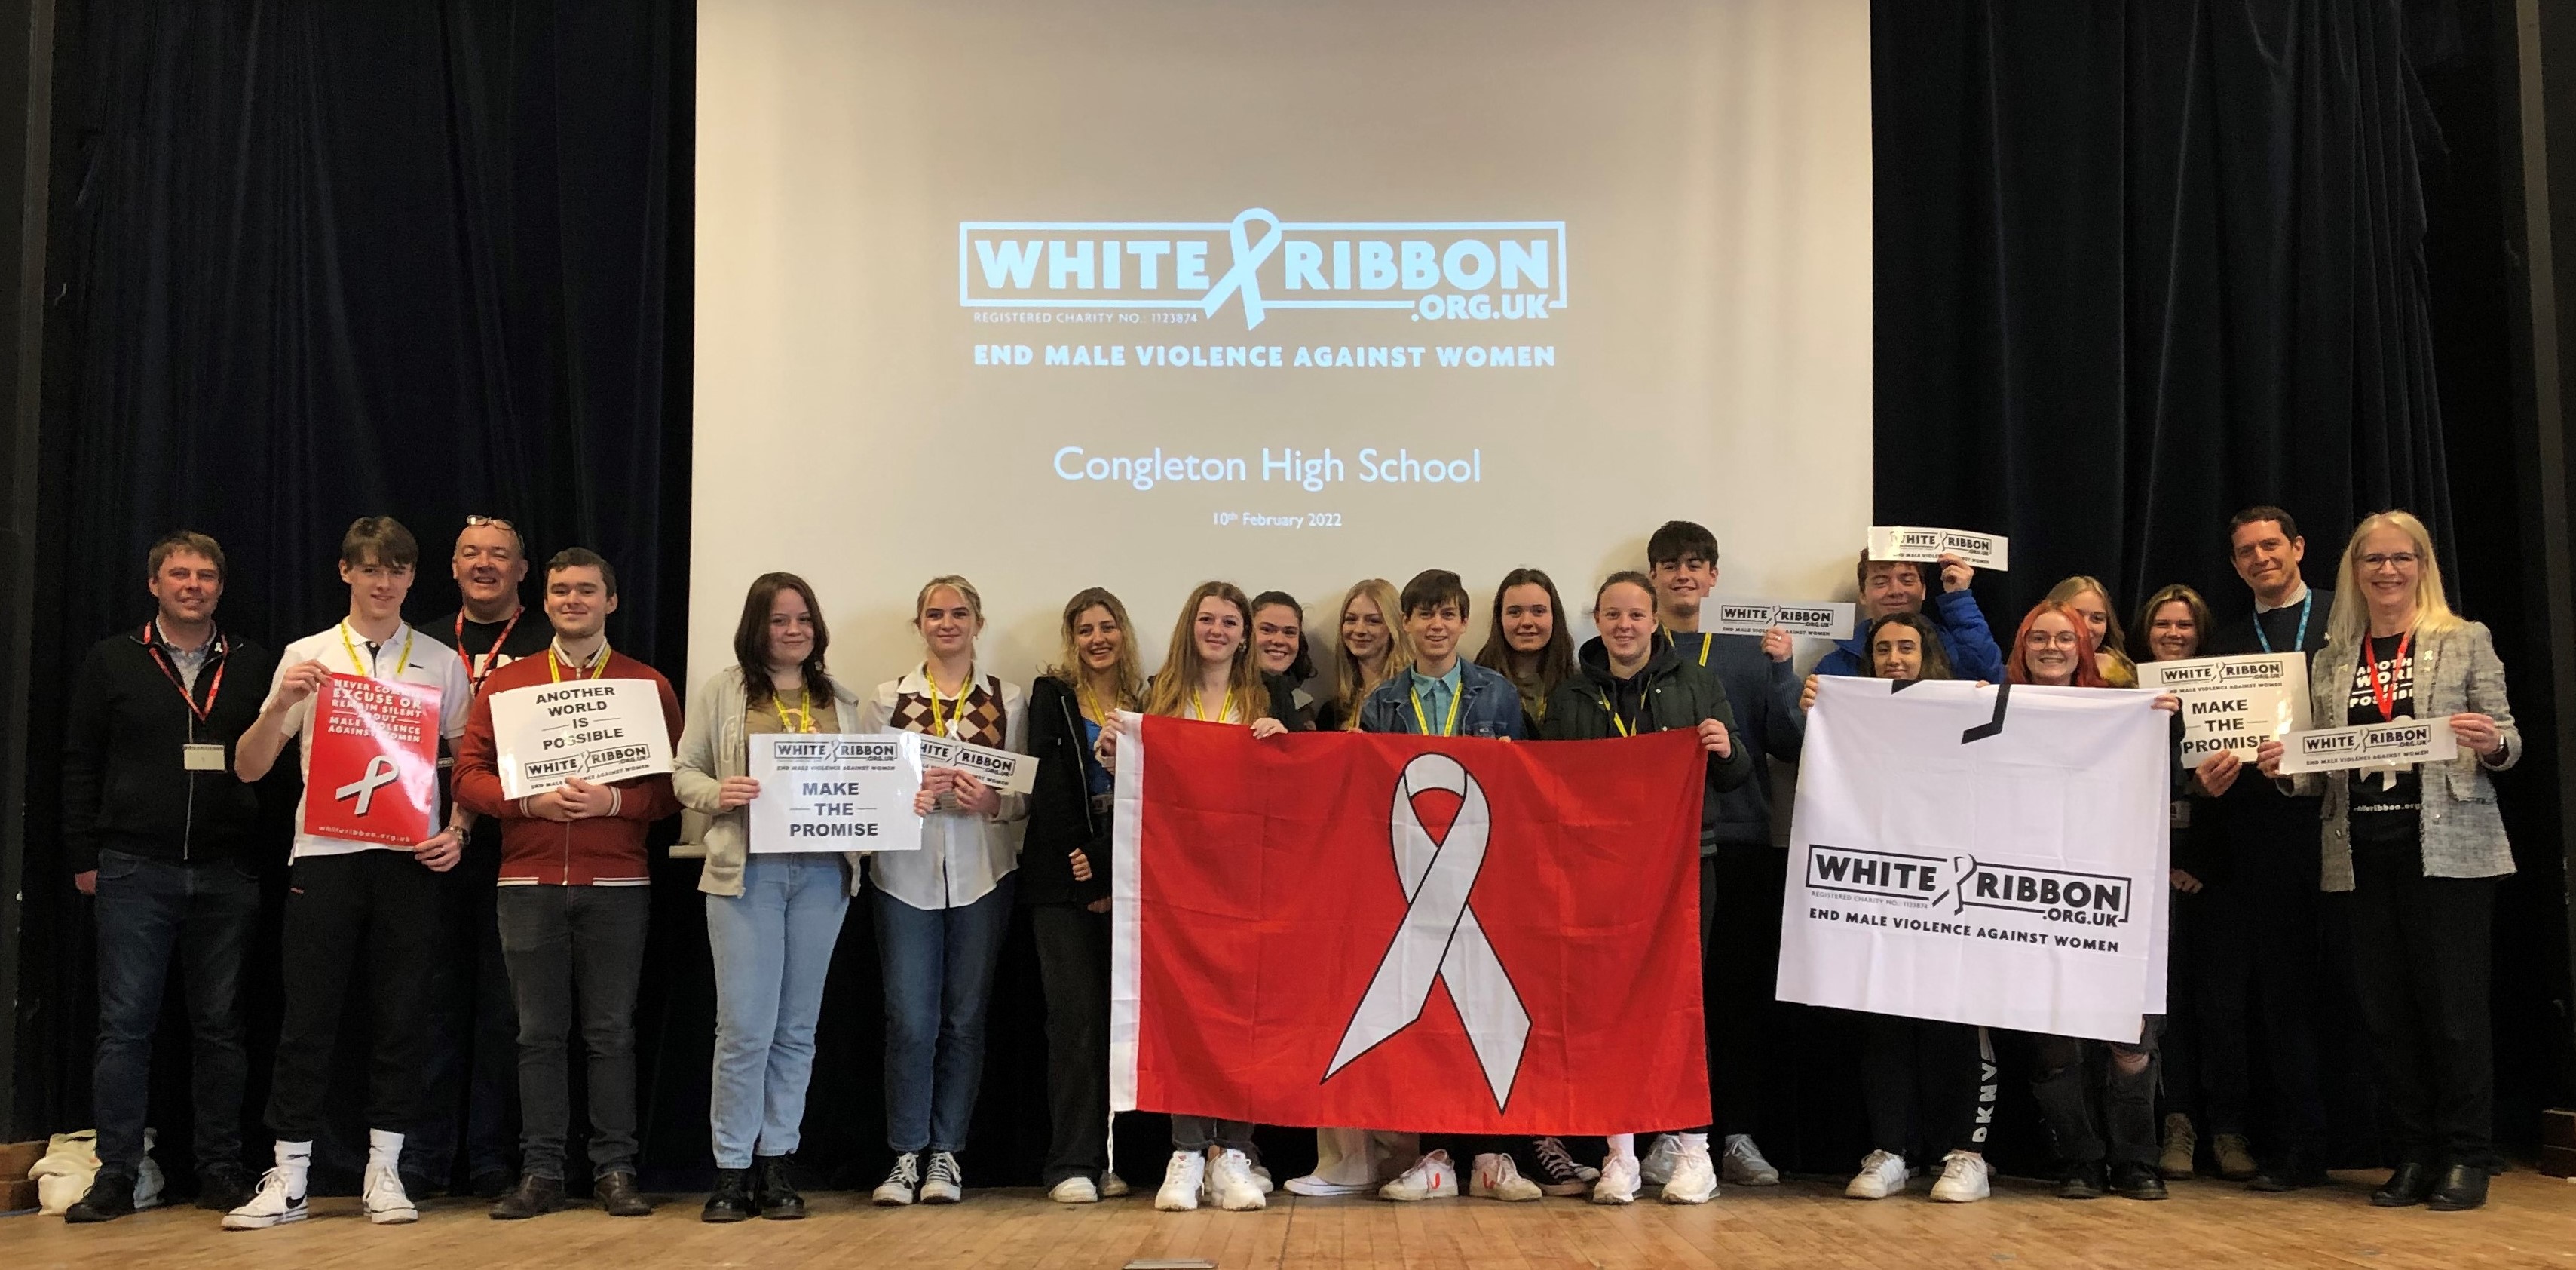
372	774
1408	933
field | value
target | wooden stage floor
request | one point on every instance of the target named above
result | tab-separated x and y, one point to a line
2530	1221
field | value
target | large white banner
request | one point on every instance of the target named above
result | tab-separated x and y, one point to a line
1980	854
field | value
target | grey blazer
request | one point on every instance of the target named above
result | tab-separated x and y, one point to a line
2456	671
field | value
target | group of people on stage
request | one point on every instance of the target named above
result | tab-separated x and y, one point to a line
162	825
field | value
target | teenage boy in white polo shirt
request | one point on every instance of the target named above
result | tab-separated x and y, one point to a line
354	904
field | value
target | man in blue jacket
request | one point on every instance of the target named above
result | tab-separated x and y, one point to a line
1896	586
1444	694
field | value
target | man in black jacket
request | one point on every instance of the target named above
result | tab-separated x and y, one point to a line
2265	915
161	831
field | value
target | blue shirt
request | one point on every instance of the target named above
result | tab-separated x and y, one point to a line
1095	778
1436	696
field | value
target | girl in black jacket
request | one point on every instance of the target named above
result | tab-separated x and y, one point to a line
1064	880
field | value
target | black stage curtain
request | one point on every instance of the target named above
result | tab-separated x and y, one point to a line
2137	265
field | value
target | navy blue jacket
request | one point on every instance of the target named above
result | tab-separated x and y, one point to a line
1964	637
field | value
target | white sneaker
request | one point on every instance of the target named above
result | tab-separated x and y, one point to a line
901	1180
385	1202
1882	1174
1230	1183
1434	1176
1261	1178
1562	1175
942	1183
1182	1179
1352	1172
1963	1179
1619	1180
270	1205
1112	1186
1497	1176
1075	1190
1694	1179
1743	1164
1657	1166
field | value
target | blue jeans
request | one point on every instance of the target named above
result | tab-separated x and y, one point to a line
773	947
938	979
147	908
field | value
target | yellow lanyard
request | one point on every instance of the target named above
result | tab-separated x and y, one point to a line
368	667
598	667
1198	705
938	726
1456	698
804	720
1090	707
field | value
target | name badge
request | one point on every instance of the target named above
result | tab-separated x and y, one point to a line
201	757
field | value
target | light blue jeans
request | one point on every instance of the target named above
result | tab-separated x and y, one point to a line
938	979
773	947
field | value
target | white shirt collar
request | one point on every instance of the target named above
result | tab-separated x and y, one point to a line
2291	602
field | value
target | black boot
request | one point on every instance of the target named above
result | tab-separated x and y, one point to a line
2463	1187
534	1196
2137	1181
224	1186
2291	1171
732	1199
2083	1181
778	1197
2406	1187
111	1195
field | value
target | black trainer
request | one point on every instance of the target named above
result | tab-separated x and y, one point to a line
2083	1181
2137	1181
111	1195
778	1198
224	1186
732	1200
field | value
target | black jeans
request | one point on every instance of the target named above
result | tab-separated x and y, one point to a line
1928	1086
2284	934
1741	980
373	914
2211	970
474	1027
2094	1110
1073	967
148	909
575	947
2421	948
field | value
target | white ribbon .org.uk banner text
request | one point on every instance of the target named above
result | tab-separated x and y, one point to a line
1981	854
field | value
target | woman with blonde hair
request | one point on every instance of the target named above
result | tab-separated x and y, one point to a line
1370	645
2092	601
1064	883
941	911
2415	851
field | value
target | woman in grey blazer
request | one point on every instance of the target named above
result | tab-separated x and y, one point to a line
2416	852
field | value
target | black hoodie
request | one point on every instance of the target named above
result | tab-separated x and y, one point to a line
1671	693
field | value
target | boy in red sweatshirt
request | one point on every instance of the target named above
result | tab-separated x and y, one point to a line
574	898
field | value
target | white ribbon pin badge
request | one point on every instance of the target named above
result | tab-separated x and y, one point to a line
1440	938
380	773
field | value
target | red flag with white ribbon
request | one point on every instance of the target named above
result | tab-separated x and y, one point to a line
1408	933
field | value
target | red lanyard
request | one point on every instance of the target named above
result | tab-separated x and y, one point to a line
2386	694
480	668
152	641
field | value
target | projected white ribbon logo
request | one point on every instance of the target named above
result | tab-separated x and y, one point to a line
1241	276
380	773
1440	938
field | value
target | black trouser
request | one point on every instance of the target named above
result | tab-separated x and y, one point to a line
2421	948
2086	1098
148	909
2210	970
1929	1086
1073	968
1741	981
372	914
2283	930
474	1027
566	944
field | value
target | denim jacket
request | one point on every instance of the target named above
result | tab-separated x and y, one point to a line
1488	705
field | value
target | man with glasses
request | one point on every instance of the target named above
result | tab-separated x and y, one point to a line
474	1029
2262	917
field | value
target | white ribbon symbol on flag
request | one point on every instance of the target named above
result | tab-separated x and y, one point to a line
1241	275
380	773
1440	938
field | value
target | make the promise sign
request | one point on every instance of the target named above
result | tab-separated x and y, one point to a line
835	792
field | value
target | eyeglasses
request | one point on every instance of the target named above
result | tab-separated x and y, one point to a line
2378	560
2062	639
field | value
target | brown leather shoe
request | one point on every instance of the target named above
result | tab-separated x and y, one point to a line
618	1196
534	1196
